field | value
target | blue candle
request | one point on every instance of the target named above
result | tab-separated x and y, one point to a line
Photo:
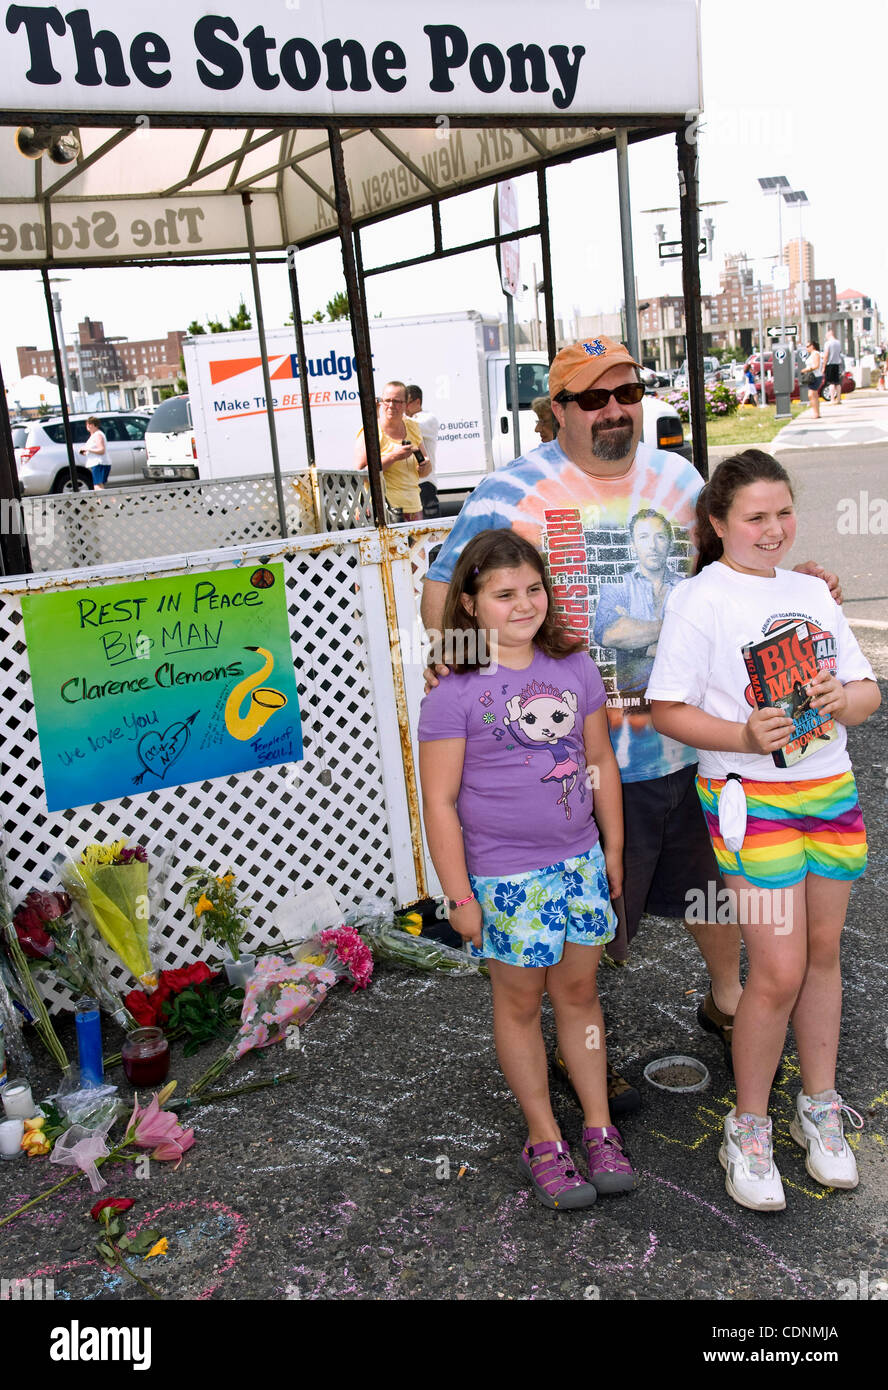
89	1042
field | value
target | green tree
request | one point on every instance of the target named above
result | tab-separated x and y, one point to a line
338	307
242	319
238	321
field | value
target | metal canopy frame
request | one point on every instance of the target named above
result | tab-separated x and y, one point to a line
606	132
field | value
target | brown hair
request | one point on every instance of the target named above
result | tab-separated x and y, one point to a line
93	421
750	466
495	550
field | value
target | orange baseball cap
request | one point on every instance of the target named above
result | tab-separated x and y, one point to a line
579	365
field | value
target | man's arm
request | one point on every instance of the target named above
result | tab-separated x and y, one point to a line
630	634
431	608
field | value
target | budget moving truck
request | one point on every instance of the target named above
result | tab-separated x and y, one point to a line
455	358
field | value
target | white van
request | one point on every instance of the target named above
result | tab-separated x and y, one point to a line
170	441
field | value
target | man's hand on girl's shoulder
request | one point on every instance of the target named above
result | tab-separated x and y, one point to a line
831	580
431	675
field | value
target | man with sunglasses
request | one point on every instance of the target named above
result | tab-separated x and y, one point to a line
403	457
575	499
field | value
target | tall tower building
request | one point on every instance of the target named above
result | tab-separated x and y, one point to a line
791	258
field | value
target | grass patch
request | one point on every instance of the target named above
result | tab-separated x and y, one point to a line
750	425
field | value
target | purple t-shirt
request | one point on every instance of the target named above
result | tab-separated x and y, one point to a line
523	803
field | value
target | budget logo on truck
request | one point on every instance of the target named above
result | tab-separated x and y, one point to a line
285	367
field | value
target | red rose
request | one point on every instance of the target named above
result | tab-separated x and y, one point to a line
142	1008
35	940
48	906
174	981
115	1203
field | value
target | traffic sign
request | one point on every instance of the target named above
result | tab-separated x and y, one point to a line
789	330
671	250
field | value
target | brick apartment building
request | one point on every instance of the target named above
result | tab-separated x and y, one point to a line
126	373
730	318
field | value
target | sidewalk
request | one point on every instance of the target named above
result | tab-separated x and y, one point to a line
860	421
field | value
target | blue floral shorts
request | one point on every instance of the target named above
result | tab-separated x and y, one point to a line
527	919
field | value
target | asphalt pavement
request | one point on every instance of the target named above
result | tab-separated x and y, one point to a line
388	1168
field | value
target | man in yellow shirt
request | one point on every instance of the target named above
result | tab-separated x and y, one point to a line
404	460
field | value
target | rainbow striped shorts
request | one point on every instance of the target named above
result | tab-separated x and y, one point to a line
792	829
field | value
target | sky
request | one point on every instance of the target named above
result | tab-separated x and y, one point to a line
787	89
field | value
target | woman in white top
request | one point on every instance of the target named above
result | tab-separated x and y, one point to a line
96	449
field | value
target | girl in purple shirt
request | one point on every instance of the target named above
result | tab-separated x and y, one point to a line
511	748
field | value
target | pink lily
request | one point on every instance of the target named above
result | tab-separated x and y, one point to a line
153	1128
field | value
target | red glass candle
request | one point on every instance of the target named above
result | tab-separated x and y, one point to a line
146	1057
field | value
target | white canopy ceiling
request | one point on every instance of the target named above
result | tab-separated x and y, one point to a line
195	109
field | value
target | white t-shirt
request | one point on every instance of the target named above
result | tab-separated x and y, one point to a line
96	444
699	661
428	425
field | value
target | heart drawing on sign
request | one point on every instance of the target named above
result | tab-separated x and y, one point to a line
158	752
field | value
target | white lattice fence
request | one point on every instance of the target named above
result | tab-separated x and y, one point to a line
339	817
71	530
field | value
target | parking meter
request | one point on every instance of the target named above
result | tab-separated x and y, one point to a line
783	379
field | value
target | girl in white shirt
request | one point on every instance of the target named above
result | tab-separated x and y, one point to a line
804	842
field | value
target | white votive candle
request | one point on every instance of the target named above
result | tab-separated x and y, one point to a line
17	1099
11	1132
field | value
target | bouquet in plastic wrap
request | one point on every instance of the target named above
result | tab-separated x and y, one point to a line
279	996
341	950
110	885
56	946
397	945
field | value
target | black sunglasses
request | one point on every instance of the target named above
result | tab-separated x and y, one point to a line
597	397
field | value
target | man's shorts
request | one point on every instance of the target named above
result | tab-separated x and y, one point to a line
792	829
668	856
833	374
527	918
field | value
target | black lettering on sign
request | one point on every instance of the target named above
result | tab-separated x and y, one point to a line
226	58
38	23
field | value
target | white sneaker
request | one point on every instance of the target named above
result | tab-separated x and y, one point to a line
747	1157
817	1126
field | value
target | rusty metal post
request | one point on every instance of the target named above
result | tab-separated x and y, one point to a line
690	276
304	389
360	328
61	378
548	292
263	348
14	553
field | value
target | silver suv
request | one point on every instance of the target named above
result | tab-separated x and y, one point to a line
43	462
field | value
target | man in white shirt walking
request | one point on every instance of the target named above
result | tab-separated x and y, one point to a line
833	364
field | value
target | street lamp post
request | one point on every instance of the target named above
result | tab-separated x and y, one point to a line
774	186
800	201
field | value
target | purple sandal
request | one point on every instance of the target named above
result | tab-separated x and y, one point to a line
609	1168
553	1177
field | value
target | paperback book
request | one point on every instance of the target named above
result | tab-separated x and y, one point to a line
781	667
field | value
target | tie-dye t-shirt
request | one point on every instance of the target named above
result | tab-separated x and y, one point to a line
582	526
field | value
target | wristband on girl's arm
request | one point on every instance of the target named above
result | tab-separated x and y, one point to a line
453	903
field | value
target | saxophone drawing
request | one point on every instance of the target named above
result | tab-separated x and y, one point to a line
264	701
